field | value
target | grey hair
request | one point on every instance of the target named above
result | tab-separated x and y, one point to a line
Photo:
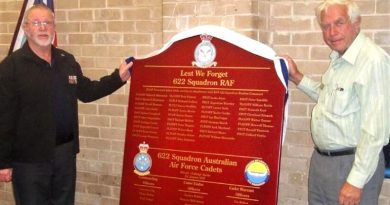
353	9
36	6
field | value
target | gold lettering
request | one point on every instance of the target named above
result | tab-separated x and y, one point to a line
217	74
186	73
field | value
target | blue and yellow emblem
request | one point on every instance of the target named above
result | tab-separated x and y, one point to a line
142	161
257	172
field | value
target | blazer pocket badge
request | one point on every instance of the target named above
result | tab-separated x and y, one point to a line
72	79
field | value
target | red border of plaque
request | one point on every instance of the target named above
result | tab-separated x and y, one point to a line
203	132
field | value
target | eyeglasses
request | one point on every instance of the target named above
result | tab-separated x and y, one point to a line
41	23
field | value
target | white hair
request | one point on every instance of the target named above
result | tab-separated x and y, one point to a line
353	9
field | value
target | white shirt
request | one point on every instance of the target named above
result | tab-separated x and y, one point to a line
353	108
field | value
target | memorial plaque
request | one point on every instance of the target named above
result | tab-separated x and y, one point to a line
205	122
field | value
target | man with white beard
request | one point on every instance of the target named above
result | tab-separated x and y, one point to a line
39	134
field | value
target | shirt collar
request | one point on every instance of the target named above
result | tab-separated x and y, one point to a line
29	53
352	52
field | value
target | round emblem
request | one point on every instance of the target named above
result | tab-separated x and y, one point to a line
257	172
205	53
142	161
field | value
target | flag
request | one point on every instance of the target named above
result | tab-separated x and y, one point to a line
19	37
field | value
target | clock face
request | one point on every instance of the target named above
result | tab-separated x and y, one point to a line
205	53
142	162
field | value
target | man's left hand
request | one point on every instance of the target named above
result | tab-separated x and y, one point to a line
349	194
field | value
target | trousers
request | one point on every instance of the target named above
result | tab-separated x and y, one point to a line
328	174
49	183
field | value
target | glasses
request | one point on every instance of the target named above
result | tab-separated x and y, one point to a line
41	23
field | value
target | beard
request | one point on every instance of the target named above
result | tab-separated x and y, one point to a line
42	39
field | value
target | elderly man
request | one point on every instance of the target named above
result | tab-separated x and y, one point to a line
350	122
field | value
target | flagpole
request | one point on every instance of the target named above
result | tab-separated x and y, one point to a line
18	27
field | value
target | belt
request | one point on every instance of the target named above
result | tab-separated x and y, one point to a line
335	153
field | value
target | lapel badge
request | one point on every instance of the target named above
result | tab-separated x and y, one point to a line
72	79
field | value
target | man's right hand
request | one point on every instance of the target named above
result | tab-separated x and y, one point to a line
5	175
293	73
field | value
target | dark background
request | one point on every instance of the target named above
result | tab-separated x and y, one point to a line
386	150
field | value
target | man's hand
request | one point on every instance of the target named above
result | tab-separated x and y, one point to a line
124	71
5	175
293	73
350	195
